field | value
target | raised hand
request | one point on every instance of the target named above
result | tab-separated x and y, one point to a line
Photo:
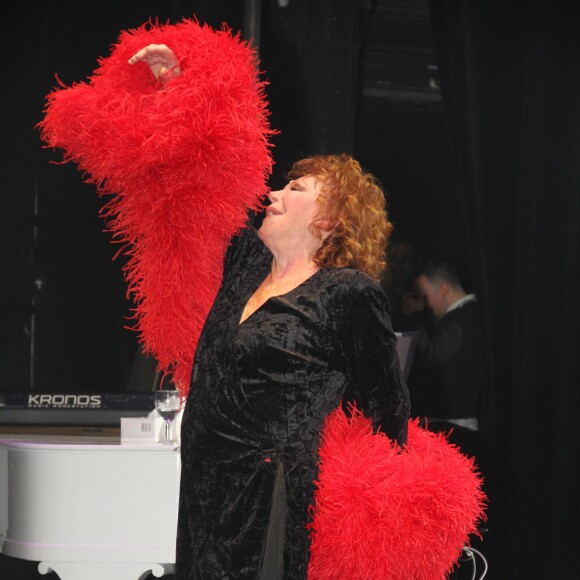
160	59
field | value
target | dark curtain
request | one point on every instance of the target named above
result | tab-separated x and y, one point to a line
510	74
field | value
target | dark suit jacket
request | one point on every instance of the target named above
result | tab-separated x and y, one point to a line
447	376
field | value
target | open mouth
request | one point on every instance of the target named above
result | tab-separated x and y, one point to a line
273	211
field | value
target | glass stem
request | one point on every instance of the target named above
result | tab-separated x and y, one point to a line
167	430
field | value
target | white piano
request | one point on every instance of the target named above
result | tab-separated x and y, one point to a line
89	508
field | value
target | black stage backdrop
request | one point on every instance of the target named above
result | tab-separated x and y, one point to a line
510	75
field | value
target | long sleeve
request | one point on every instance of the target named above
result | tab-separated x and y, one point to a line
372	363
183	162
441	344
382	510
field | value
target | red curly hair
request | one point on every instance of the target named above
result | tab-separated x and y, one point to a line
354	203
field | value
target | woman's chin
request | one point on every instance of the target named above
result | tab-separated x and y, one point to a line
264	230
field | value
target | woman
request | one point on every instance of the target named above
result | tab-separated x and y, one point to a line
299	326
296	328
291	335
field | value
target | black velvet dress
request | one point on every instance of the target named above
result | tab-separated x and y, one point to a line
259	394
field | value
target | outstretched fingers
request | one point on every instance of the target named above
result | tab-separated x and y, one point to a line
159	58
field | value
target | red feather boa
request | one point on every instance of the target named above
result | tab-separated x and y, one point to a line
183	162
382	513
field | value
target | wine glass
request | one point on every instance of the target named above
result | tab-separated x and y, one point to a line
168	404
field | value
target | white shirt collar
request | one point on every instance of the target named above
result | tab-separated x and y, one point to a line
459	303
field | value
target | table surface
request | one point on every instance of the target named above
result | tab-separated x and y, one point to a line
86	442
60	430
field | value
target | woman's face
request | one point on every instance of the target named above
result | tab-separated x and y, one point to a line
292	213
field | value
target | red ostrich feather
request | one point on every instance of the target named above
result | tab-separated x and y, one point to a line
386	513
182	163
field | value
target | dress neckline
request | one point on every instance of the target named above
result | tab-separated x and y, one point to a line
277	296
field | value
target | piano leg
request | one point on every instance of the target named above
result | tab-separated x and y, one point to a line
101	570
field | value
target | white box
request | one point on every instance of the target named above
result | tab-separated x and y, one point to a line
150	429
146	429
